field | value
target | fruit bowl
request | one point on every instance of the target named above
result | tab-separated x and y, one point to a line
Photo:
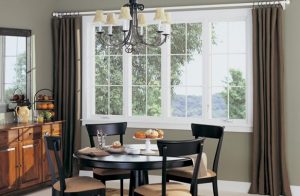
148	137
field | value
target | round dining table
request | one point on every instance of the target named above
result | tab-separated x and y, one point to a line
137	164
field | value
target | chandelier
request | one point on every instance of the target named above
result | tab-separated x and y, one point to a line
133	27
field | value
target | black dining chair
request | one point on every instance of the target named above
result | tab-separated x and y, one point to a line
75	186
110	129
174	149
202	131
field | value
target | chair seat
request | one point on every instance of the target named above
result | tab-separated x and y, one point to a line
109	172
80	184
187	172
172	189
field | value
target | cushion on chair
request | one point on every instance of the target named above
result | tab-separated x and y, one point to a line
108	172
187	172
173	189
80	184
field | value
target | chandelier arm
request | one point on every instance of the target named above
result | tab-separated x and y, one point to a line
158	43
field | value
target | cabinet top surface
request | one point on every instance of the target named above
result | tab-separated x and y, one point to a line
13	126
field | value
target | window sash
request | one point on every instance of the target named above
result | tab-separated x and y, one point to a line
204	17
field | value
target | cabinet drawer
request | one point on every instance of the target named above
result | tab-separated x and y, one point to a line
56	129
7	137
31	133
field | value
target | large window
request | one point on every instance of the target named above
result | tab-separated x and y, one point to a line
202	74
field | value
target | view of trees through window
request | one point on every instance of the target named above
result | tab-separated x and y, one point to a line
14	57
227	65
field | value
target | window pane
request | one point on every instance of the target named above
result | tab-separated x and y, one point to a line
194	102
219	102
219	37
153	70
153	37
219	70
138	70
237	37
11	44
178	101
177	69
237	69
237	103
139	100
154	101
116	70
10	69
101	49
101	70
117	37
178	39
21	49
101	100
116	100
194	42
194	70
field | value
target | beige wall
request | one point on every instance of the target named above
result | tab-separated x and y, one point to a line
236	152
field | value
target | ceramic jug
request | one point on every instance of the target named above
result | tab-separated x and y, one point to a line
23	114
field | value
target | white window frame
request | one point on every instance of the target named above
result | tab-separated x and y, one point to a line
165	122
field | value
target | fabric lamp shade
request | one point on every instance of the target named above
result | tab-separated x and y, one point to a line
160	14
142	20
125	14
99	17
111	19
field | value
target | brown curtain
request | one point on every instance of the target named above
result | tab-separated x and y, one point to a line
269	171
67	81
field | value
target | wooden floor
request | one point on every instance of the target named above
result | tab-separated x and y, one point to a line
112	186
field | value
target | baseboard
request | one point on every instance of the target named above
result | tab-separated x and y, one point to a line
224	185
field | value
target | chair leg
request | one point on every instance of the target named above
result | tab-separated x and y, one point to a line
102	192
194	189
215	187
121	187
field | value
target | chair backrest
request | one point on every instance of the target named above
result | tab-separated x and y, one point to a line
108	128
53	144
176	149
213	132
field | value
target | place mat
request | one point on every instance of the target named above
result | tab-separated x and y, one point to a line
93	152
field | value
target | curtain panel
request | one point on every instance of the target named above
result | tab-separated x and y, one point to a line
66	34
269	170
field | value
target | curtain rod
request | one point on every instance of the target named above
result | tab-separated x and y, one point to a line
283	3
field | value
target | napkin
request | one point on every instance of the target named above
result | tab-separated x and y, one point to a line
94	152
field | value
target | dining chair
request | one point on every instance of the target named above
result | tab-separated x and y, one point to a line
185	175
79	186
110	129
174	149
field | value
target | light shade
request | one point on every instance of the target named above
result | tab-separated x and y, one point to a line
99	17
111	19
125	13
160	14
142	20
168	18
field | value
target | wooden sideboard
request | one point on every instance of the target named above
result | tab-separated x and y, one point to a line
23	161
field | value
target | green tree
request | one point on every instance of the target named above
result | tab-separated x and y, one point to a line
146	70
235	93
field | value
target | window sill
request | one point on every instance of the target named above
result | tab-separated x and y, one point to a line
168	124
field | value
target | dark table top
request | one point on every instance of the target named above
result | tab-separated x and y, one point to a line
131	162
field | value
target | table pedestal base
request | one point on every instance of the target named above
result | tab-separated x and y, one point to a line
137	178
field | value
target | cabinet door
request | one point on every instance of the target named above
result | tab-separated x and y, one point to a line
8	168
31	163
